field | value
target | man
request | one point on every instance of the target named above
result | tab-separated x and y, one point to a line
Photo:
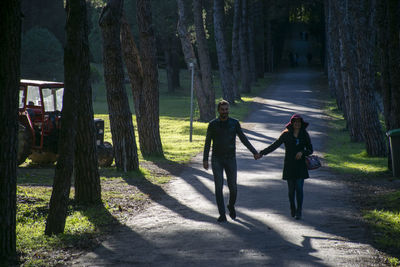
222	131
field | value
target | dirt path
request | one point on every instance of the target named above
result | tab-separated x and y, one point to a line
180	228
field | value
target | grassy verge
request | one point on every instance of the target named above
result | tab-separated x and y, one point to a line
349	157
123	194
381	209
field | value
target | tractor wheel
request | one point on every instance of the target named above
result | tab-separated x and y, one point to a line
24	143
105	154
43	158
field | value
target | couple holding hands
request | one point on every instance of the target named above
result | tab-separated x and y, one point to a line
223	131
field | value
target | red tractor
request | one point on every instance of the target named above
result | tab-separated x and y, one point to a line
40	106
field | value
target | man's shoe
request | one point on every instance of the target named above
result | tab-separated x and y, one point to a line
232	212
221	218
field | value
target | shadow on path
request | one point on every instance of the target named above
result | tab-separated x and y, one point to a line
180	228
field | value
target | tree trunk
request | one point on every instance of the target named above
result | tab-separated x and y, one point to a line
392	92
122	131
259	32
244	48
202	50
364	31
209	25
251	52
224	63
383	44
329	49
149	124
333	49
389	55
55	223
134	67
269	54
349	75
236	48
87	178
206	107
10	51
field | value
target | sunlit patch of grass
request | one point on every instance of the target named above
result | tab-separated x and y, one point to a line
345	156
387	226
394	262
32	210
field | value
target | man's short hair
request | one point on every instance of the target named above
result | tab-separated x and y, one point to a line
222	103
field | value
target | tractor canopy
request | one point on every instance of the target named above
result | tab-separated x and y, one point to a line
44	95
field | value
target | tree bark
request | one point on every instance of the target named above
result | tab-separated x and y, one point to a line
390	60
149	126
333	51
55	223
134	67
203	53
10	51
269	50
122	131
349	76
209	25
236	48
224	63
206	107
259	32
87	178
251	52
394	62
365	33
244	47
389	55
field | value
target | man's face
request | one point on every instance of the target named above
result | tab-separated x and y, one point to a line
223	111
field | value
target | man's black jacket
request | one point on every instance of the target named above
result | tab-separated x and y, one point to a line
223	134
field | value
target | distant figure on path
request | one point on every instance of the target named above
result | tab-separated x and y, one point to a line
222	131
297	146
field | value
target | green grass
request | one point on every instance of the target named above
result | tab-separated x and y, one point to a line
85	224
385	223
347	157
37	249
344	156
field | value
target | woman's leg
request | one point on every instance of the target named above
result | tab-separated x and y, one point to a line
299	183
291	190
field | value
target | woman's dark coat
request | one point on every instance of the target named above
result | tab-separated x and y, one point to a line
292	168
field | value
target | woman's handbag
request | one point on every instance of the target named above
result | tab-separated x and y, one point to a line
313	162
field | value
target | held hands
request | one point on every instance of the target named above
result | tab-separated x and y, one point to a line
299	155
257	156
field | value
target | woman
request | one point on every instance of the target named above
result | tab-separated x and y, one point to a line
297	146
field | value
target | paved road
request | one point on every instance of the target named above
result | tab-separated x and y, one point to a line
180	228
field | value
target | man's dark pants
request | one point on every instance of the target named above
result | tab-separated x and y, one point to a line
219	164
